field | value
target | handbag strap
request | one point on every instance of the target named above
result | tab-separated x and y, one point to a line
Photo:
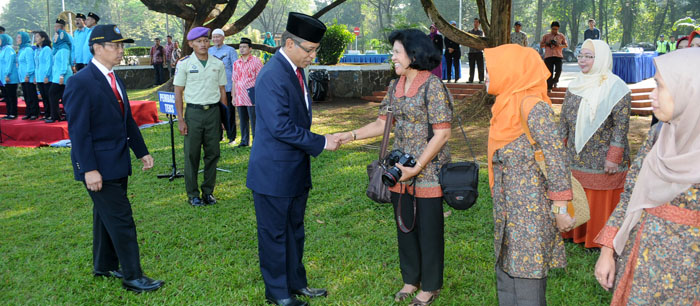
539	155
389	122
459	119
399	219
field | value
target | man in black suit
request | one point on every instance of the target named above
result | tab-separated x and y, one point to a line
102	130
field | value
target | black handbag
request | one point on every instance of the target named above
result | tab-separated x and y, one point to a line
460	180
376	190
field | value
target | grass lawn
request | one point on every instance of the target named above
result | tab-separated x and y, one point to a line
208	255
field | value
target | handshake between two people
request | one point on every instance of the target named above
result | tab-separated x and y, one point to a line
333	141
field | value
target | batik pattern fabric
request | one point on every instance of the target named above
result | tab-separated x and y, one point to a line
608	143
411	119
660	263
526	239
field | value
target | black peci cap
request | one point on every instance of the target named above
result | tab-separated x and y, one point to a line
94	16
108	33
555	24
60	21
306	27
245	40
517	23
80	15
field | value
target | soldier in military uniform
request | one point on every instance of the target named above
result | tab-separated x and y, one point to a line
200	81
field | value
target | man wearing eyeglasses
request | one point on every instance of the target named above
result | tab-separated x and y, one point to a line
102	130
200	81
279	169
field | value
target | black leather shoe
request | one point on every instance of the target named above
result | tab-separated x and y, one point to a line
49	121
25	117
196	202
292	301
113	273
143	284
33	117
209	199
310	292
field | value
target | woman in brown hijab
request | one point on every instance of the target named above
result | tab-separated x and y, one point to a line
655	229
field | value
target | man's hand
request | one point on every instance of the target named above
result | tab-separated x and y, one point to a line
332	142
450	50
182	126
93	180
605	268
26	79
147	162
610	167
60	81
46	80
7	80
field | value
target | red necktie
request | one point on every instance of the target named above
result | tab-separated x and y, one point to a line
113	83
301	83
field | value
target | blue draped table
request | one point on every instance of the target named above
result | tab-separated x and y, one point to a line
365	58
634	67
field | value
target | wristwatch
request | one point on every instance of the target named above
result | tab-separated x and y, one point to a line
558	209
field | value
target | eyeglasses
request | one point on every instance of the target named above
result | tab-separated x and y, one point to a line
588	57
309	50
115	45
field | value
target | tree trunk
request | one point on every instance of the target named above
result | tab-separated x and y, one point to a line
592	11
602	21
328	8
627	21
498	28
660	22
500	22
538	28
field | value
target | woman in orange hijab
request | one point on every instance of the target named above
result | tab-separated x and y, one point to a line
527	241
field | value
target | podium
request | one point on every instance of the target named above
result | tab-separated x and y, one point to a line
166	101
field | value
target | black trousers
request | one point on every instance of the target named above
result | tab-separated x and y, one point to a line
281	238
31	99
79	66
553	63
421	251
246	116
474	60
44	90
114	240
228	117
452	61
56	94
158	68
10	92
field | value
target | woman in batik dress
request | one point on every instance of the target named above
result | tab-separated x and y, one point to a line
527	242
651	243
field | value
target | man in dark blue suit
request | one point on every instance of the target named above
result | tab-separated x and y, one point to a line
102	130
279	170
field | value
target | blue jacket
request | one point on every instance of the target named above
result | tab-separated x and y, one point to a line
77	47
26	64
61	66
100	135
279	162
8	61
43	59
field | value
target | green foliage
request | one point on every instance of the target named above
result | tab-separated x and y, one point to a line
137	51
333	44
686	22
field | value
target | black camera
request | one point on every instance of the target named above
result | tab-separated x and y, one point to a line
553	43
392	174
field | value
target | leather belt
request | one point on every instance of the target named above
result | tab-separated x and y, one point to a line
202	107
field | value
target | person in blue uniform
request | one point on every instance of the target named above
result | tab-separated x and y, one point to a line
25	70
228	55
279	169
102	130
9	76
61	69
80	49
43	57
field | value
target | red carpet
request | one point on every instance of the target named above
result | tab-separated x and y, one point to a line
36	133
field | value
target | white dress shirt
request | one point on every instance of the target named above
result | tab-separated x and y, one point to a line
106	72
294	68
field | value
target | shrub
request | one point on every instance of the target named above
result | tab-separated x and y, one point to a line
137	51
334	43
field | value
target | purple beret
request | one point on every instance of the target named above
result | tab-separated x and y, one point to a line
197	33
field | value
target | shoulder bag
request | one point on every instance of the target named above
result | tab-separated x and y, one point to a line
376	190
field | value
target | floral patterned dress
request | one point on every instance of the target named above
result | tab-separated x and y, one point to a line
526	239
660	264
411	119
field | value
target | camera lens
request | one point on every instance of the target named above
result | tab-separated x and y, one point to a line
391	176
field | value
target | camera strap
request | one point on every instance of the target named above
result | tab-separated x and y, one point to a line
459	119
399	218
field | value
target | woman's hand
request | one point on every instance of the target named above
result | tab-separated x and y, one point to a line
610	167
565	222
605	268
408	172
344	137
